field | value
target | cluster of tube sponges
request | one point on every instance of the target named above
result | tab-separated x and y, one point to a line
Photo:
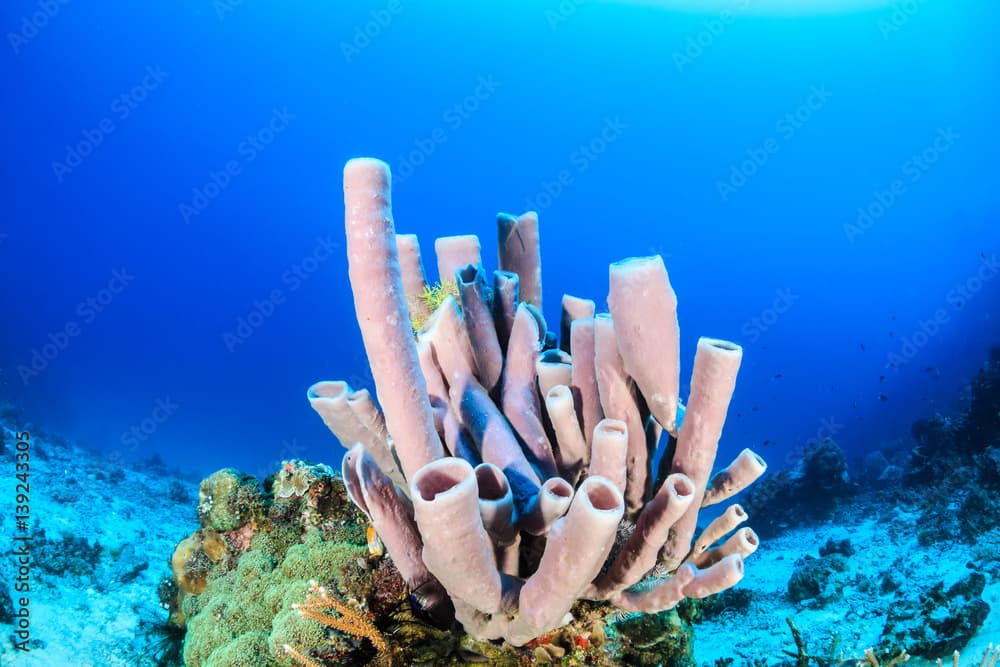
510	475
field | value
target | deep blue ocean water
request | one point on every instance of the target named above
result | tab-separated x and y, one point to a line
822	185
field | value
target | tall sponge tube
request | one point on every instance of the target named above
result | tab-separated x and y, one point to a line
644	308
380	303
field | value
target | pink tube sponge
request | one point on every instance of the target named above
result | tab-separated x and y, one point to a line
712	383
456	547
577	547
545	488
518	246
380	304
644	307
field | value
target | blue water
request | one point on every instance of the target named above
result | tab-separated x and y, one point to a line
831	174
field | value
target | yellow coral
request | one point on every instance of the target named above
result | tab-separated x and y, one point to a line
214	545
432	297
191	561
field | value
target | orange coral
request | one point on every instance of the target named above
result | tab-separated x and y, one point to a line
316	607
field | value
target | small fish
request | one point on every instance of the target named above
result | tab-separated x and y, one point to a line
754	408
778	376
883	397
739	414
892	334
881	378
375	546
854	405
862	347
768	443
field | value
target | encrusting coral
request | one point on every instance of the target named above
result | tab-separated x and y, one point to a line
510	478
228	499
242	610
251	601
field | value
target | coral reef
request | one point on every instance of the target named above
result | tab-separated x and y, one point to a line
806	494
310	590
510	478
885	555
68	554
840	546
951	479
234	591
727	601
970	437
228	499
664	638
939	620
193	559
955	464
814	580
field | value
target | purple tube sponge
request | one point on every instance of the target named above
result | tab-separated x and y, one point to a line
500	456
